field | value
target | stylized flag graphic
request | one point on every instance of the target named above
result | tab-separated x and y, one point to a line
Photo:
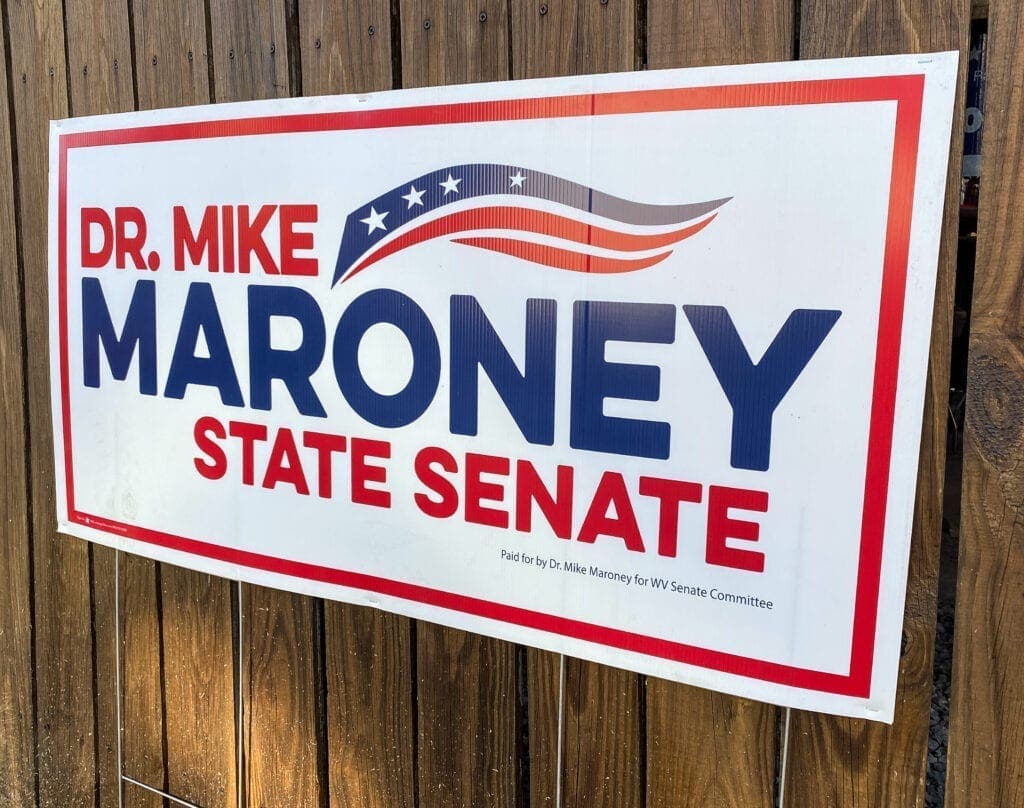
626	236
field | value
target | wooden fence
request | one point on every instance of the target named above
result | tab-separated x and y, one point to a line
238	695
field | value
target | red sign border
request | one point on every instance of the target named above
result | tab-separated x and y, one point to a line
906	90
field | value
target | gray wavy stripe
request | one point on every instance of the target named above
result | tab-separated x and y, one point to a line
573	194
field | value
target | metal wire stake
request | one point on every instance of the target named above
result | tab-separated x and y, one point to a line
240	760
117	677
785	757
561	734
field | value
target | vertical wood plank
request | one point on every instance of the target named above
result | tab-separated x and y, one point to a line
726	755
65	718
602	763
199	690
368	654
568	38
142	672
466	684
100	73
689	33
172	66
178	666
544	694
707	748
279	655
985	762
369	708
345	49
846	762
17	708
281	705
99	57
250	50
466	690
601	760
453	41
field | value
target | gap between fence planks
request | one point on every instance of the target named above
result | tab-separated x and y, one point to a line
17	695
986	766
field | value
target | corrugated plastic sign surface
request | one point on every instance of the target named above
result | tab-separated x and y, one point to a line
629	367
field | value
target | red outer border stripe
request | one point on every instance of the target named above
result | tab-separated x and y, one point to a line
906	90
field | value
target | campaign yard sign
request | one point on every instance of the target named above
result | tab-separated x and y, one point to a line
628	367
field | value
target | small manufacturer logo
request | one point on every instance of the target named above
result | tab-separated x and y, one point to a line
512	210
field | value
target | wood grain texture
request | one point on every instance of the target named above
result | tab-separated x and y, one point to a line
178	662
544	686
466	691
367	653
685	33
986	765
369	708
345	49
172	66
601	760
846	762
250	50
65	716
100	73
727	756
572	37
706	748
279	693
199	688
99	53
17	707
454	41
139	797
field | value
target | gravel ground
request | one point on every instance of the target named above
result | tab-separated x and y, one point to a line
938	734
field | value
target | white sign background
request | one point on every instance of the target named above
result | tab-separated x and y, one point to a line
816	197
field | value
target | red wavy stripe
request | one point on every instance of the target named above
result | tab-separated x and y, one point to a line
530	221
561	258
